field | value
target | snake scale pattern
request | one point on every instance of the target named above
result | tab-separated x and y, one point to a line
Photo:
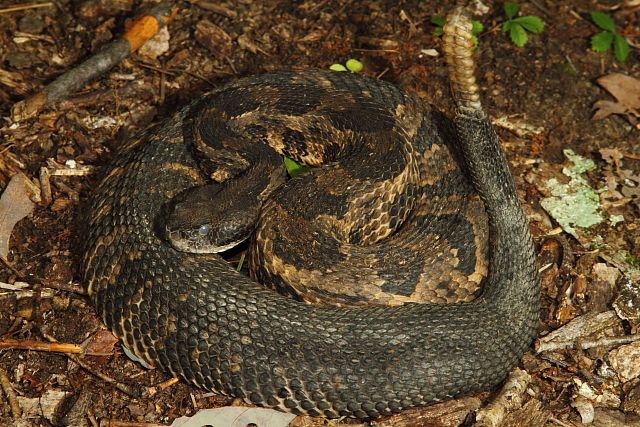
194	316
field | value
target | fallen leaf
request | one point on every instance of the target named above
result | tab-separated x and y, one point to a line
235	416
621	183
606	108
15	204
626	91
604	273
101	343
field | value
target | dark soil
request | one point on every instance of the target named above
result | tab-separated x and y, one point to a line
549	84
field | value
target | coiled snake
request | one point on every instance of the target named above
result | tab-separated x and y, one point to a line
193	315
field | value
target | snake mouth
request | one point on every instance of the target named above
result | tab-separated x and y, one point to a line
193	241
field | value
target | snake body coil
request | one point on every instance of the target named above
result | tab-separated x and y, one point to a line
194	316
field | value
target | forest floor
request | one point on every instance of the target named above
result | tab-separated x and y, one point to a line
540	97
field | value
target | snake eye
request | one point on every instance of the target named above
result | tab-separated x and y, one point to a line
204	229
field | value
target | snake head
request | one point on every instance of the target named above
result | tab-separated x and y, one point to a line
203	220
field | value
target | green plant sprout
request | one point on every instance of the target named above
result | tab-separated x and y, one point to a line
439	21
352	65
602	41
294	168
518	27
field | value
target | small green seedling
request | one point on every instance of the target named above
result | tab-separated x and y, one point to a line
294	168
439	21
602	41
351	65
518	27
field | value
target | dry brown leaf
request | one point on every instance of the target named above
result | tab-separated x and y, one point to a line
625	89
621	183
99	344
235	416
606	108
15	204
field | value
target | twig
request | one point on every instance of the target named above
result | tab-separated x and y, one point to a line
377	50
27	288
570	62
173	71
158	69
604	342
12	268
45	186
59	286
559	422
542	8
144	28
54	347
216	8
230	62
126	389
572	334
65	287
92	418
11	395
163	385
117	423
25	7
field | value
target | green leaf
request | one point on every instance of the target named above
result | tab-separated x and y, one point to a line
510	9
438	20
476	27
518	35
507	25
602	41
294	168
620	48
239	267
337	67
354	65
603	21
530	23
